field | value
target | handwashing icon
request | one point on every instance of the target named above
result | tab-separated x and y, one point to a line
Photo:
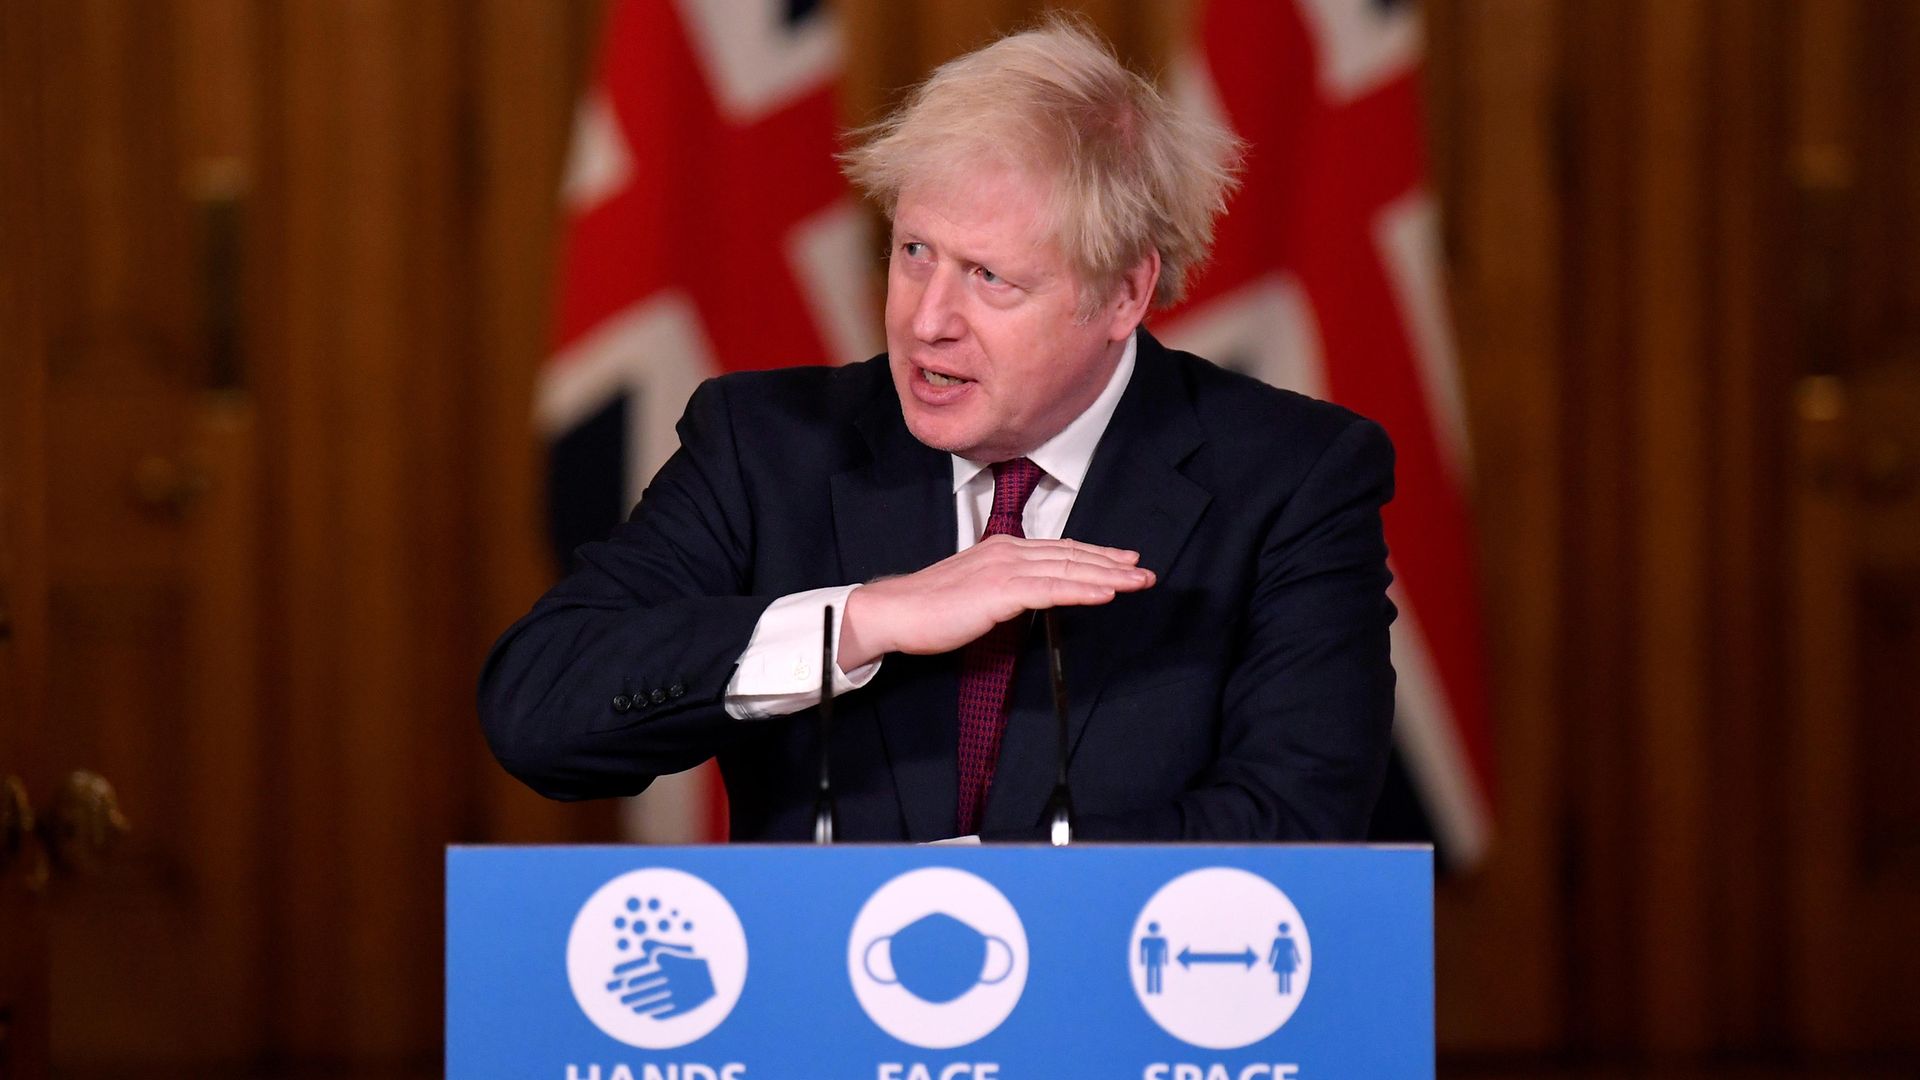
656	958
937	958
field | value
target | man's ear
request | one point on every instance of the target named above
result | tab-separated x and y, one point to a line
1133	296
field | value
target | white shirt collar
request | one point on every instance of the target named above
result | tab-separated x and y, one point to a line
1067	456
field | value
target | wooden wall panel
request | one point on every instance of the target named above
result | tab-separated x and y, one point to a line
1492	107
1744	423
527	67
1856	518
1686	275
1820	127
313	528
366	389
1669	549
415	159
214	61
144	612
1596	150
24	997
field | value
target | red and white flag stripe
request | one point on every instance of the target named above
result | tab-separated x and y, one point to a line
1326	279
708	230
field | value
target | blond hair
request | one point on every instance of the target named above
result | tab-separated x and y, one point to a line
1130	171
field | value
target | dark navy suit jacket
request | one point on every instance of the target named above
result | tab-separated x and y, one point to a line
1246	696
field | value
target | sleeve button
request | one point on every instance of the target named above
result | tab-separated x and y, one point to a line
659	696
676	690
622	703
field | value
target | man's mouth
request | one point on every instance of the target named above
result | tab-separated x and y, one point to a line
938	379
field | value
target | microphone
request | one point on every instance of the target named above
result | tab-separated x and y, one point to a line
1060	805
823	815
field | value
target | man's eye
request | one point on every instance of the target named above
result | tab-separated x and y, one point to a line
990	277
913	249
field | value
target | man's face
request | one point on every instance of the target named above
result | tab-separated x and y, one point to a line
987	354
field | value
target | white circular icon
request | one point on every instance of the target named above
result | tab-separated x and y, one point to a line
1220	958
938	958
657	958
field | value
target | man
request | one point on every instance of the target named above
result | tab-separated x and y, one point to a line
1213	545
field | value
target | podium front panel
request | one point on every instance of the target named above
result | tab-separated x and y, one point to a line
1187	962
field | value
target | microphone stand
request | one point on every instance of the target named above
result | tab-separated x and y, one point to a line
823	812
1060	804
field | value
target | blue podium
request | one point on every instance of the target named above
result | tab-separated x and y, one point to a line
1188	962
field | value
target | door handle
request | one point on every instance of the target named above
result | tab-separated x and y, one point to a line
78	832
84	825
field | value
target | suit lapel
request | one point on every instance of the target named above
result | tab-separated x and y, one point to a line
894	515
1136	498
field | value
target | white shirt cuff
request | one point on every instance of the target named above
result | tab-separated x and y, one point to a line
779	673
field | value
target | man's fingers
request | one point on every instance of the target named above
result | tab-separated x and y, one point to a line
1123	578
1078	554
1059	582
1125	555
1034	593
1044	549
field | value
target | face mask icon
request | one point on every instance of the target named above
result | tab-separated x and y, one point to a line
936	958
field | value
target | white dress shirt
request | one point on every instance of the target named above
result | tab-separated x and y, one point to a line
779	672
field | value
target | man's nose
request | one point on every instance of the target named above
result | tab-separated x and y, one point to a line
936	317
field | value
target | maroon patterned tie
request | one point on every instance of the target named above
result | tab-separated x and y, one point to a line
986	667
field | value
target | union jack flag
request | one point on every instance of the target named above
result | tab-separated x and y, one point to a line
1326	279
707	230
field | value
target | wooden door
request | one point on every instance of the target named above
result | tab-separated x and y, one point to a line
23	913
268	490
133	472
1855	732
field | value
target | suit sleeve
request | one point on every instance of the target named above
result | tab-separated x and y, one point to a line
1307	708
619	673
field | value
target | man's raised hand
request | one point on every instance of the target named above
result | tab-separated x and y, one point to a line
961	597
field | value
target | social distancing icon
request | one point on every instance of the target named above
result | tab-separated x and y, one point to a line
1219	958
